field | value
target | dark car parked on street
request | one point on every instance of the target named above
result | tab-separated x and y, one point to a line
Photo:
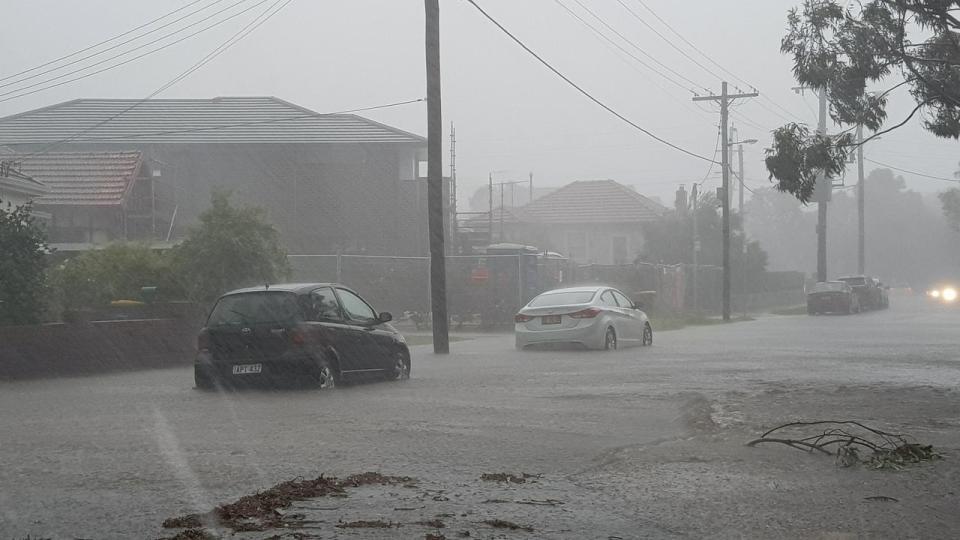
871	292
832	297
302	334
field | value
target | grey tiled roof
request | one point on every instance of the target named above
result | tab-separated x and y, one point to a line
83	178
593	201
217	120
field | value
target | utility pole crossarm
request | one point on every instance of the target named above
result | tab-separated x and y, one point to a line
729	97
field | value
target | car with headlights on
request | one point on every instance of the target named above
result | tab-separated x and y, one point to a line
943	293
302	334
596	317
832	297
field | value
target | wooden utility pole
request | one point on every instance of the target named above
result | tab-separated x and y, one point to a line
822	196
861	240
695	197
724	99
438	274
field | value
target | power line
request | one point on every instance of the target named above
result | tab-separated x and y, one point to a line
118	45
618	46
635	46
915	173
220	49
667	40
705	55
108	68
95	45
713	162
580	89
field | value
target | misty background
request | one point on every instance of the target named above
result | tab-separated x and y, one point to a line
512	116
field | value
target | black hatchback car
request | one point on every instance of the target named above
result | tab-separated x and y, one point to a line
299	334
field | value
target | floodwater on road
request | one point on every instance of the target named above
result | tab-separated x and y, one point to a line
112	456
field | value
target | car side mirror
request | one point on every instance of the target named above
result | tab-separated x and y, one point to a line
638	305
384	317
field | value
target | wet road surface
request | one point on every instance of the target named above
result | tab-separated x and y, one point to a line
655	434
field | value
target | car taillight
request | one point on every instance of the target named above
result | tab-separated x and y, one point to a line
588	313
297	337
203	341
521	318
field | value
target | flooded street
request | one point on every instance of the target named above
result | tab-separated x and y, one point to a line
652	430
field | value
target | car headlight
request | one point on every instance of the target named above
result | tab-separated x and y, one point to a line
949	294
934	293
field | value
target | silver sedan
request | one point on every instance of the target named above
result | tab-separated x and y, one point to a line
593	317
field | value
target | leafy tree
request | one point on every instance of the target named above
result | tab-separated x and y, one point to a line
840	50
232	247
950	200
670	240
22	264
117	272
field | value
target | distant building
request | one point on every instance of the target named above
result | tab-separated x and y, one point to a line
327	181
17	189
93	198
598	222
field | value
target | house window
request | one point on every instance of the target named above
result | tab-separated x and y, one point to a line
619	250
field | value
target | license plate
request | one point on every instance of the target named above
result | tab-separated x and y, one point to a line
551	319
245	369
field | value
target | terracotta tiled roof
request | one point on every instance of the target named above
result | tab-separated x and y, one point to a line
217	120
82	178
594	201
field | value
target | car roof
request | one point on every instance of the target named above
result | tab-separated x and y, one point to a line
285	287
861	276
593	288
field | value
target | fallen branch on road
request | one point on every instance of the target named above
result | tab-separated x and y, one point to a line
848	440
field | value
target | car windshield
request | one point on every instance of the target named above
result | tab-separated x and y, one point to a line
255	308
854	281
829	286
562	298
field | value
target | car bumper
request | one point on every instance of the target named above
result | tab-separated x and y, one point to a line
285	370
589	336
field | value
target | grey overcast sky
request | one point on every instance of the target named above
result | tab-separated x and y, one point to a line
511	114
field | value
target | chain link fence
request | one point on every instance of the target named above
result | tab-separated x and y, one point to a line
486	291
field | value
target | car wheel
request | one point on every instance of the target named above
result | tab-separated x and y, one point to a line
401	367
610	340
326	376
647	335
201	380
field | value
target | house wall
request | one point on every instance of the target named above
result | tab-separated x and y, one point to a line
358	197
13	193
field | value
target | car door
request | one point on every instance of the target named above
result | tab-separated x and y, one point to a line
637	320
621	321
363	325
330	324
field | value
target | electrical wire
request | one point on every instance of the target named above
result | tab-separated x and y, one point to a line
713	162
915	173
581	90
637	47
121	44
108	68
95	45
620	47
711	60
220	49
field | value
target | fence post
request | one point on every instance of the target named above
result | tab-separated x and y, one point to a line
339	265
